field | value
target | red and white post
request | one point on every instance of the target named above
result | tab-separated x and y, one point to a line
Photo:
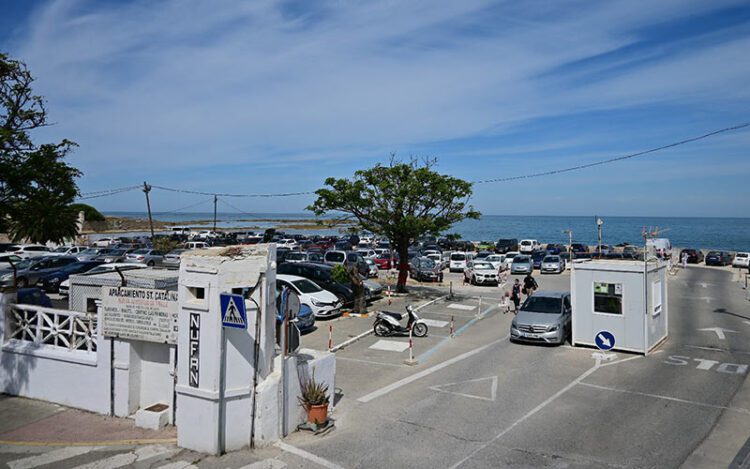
330	337
389	295
451	327
411	360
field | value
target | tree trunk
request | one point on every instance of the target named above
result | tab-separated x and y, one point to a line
403	264
360	302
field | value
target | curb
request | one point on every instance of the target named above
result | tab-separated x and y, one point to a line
90	443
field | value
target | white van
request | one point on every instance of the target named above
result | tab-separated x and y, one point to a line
527	246
458	261
195	245
659	246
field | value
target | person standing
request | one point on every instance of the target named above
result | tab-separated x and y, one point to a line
529	284
515	295
684	260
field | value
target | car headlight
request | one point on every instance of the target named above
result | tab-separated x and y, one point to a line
6	277
316	302
553	328
54	280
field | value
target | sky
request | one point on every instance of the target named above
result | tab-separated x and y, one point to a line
272	96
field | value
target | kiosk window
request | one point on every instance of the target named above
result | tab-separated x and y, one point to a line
608	298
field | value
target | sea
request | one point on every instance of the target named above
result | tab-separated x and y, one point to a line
732	234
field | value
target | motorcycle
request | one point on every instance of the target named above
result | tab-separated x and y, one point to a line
389	323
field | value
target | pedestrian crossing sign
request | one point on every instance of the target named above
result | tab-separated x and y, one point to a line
233	313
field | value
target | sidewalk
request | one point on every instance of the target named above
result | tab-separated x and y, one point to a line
36	423
728	444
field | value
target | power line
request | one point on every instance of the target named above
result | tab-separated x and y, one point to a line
612	160
106	191
239	210
186	191
183	208
112	192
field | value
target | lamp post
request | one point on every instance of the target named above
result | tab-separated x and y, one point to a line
599	223
570	245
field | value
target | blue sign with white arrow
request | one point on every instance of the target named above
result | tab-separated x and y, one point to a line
233	313
605	340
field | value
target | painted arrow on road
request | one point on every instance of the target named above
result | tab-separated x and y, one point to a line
719	331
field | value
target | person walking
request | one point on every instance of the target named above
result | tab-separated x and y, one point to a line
684	260
515	295
529	285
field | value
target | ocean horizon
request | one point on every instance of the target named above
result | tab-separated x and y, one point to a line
726	233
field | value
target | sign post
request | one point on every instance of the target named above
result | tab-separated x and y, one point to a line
604	341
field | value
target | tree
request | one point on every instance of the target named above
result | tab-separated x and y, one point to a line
37	187
401	201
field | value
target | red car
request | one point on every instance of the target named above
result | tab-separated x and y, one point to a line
383	261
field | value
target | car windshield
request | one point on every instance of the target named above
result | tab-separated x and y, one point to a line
295	256
542	304
483	266
552	259
427	263
90	251
141	251
335	257
458	257
713	253
24	264
521	259
61	249
306	286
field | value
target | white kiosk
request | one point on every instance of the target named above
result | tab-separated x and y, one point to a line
609	295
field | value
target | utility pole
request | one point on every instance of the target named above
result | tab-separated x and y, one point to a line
599	223
216	199
570	245
146	190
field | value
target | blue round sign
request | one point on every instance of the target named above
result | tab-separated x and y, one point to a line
605	340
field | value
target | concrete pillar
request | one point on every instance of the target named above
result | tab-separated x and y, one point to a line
204	275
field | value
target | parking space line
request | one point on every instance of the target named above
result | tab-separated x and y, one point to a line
529	414
307	455
389	345
667	398
372	362
410	379
457	333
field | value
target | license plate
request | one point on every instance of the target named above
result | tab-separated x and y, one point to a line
531	336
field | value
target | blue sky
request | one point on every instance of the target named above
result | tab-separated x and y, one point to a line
275	96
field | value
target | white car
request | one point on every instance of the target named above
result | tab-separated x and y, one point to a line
67	250
29	250
497	261
508	261
527	246
742	259
323	303
105	242
195	245
286	243
367	253
480	273
458	261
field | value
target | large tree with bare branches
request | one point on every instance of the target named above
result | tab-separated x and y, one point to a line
37	187
401	201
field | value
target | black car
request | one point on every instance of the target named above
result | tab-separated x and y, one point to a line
506	245
537	257
719	258
322	275
425	269
579	248
555	249
695	256
51	281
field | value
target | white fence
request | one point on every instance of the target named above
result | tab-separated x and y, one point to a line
47	327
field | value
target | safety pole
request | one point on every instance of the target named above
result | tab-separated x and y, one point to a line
330	337
389	295
451	327
411	360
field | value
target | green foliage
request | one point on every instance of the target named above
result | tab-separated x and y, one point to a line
453	236
89	212
313	393
399	201
37	187
340	274
165	244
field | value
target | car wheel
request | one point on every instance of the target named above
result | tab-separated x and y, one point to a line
22	282
150	263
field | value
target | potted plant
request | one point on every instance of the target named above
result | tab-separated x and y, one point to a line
314	399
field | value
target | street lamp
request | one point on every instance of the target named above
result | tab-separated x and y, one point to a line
570	245
599	223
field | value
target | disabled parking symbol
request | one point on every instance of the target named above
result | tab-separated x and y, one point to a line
605	340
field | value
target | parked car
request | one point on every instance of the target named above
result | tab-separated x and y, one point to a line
345	258
290	243
113	255
66	251
742	259
552	264
6	259
105	242
321	275
579	248
373	268
196	245
33	296
51	281
367	253
149	257
294	256
458	261
424	269
718	258
30	270
555	248
544	317
631	252
695	256
438	258
527	246
497	261
660	245
506	245
480	272
29	250
481	255
384	261
89	254
537	257
323	303
522	264
509	256
172	258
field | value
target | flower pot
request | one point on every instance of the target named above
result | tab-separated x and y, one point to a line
317	414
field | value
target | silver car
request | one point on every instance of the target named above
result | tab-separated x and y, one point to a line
150	257
172	259
544	317
552	264
522	264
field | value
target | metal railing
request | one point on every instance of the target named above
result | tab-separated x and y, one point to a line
53	327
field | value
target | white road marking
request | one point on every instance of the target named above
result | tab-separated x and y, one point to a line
343	344
49	457
266	464
461	307
179	465
410	379
718	330
621	361
389	345
529	414
435	322
126	459
309	456
492	393
668	398
358	360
